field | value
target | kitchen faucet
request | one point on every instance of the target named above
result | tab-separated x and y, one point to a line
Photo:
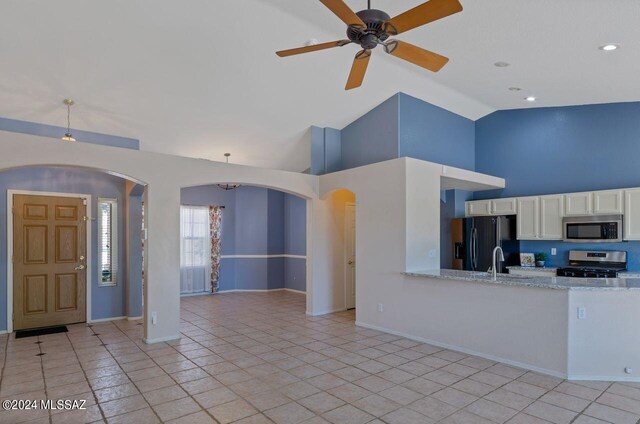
494	263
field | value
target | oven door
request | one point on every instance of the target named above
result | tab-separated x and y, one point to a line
593	229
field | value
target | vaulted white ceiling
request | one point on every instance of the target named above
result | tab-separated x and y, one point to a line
200	77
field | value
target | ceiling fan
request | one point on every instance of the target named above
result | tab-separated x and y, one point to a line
371	27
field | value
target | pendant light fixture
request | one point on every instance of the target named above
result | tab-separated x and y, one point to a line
68	136
228	186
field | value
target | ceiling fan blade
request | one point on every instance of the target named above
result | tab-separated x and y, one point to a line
423	14
358	69
344	12
416	55
313	48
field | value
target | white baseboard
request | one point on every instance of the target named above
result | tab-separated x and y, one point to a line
463	350
259	291
196	294
105	319
603	378
247	291
161	339
317	314
134	318
262	256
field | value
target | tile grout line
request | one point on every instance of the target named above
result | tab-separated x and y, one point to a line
85	376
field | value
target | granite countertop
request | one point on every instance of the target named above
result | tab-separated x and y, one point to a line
533	268
629	274
558	283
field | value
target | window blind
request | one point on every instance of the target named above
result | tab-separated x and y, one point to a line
107	241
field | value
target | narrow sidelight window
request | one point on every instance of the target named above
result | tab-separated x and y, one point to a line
107	241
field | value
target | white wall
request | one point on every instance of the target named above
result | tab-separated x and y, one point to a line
607	341
522	326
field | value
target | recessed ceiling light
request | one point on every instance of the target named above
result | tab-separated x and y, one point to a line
515	89
530	99
609	47
502	64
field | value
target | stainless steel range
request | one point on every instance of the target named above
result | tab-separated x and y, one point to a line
594	264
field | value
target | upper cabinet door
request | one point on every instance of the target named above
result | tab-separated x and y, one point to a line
478	208
608	202
528	218
578	204
503	207
632	214
551	214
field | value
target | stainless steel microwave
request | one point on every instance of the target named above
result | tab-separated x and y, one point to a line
593	229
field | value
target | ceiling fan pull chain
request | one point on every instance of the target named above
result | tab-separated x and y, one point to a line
369	4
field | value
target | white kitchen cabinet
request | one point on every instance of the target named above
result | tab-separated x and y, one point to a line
608	202
632	214
578	204
478	208
551	214
503	207
528	218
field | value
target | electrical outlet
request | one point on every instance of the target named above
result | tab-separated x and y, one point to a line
582	313
554	251
154	318
380	307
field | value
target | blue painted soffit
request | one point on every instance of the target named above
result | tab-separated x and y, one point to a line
44	130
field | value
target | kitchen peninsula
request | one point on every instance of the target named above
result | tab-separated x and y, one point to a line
581	329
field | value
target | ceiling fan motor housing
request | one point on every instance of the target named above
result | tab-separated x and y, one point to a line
374	33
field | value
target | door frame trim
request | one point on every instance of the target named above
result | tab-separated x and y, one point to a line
89	278
344	249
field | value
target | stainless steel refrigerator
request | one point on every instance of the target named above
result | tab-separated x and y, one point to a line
475	238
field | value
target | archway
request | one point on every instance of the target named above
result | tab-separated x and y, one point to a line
111	254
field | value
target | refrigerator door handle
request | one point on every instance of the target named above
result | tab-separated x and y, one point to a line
474	249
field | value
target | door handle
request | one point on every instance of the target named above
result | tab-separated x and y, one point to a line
351	262
79	267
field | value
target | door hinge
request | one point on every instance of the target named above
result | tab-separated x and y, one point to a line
85	218
84	202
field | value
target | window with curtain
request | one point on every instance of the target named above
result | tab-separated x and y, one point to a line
195	241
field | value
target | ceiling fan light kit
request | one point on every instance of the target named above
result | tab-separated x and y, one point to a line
371	27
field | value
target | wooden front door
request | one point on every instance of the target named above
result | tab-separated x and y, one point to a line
49	261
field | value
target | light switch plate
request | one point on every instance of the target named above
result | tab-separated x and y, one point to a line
554	251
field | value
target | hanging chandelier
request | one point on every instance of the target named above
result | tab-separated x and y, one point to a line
68	136
228	186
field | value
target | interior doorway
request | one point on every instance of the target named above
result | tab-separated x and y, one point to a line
350	254
49	260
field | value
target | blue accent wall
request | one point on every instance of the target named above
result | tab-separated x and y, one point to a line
402	126
106	302
326	150
373	137
258	222
434	134
295	242
44	130
134	288
562	150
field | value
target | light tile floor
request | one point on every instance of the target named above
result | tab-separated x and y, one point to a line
255	358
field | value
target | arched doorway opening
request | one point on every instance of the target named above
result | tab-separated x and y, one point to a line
244	239
72	245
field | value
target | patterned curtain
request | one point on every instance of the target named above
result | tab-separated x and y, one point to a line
215	221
